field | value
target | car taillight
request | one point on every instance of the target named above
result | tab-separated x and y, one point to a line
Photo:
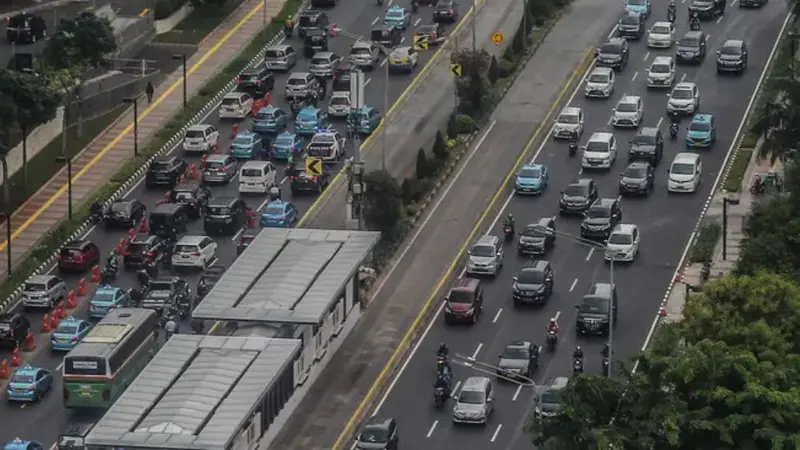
196	254
126	252
149	254
314	178
333	147
238	81
452	11
31	388
74	339
435	35
292	178
223	170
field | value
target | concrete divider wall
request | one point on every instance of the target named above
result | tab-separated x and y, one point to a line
37	140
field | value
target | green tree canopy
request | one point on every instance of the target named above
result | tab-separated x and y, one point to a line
87	41
383	202
36	101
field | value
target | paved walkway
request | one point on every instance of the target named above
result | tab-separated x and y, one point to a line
96	164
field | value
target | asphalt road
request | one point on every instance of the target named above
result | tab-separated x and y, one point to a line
46	420
665	221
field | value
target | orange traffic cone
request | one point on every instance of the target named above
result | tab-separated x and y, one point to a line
46	328
131	233
4	372
234	130
268	99
72	302
144	225
61	312
16	361
122	245
53	322
30	344
95	274
192	171
82	291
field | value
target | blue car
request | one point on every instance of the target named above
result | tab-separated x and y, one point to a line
642	7
531	179
28	384
279	214
702	132
367	120
286	144
19	444
247	145
106	299
397	17
310	120
270	120
70	331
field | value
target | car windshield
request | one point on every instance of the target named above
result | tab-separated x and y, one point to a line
644	140
249	77
22	379
251	172
635	172
627	107
530	277
637	2
379	34
629	20
682	169
660	29
659	68
266	115
120	207
611	48
138	247
325	139
620	239
219	210
273	54
68	253
471	397
515	353
731	51
184	196
243	140
194	134
534	231
530	172
575	191
35	287
689	42
359	51
395	14
482	251
284	141
104	297
374	434
274	209
571	119
160	286
699	126
595	305
459	296
214	165
307	115
551	396
320	60
69	442
598	78
160	166
598	212
296	81
185	248
597	146
340	101
67	329
230	101
682	94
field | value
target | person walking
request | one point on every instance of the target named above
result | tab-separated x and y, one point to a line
170	327
149	90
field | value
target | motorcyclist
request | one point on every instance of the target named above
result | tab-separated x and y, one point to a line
443	367
552	326
671	9
274	193
288	27
673	126
312	97
578	353
96	211
694	21
573	142
111	263
606	351
443	382
414	5
509	221
443	350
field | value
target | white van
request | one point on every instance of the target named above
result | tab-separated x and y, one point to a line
235	105
684	173
600	152
256	177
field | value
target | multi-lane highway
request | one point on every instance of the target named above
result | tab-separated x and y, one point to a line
665	221
43	421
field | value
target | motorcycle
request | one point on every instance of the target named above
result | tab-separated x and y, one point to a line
380	2
577	366
573	148
287	31
694	25
758	186
108	274
671	15
296	105
414	6
439	397
605	366
673	131
552	340
508	230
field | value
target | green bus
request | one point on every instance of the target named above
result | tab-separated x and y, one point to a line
99	369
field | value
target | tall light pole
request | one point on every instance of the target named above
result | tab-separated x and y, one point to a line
385	108
135	102
182	59
474	13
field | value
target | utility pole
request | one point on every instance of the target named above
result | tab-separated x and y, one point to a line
356	170
474	13
611	313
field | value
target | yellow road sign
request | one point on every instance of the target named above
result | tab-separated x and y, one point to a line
420	42
498	37
314	166
455	70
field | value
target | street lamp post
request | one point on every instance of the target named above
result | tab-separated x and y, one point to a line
385	109
725	202
134	101
182	59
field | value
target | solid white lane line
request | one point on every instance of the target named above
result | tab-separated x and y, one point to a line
635	74
646	55
433	427
660	119
496	432
477	350
497	316
455	389
516	394
375	20
589	256
572	287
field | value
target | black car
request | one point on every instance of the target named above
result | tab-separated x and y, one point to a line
631	26
707	9
533	285
311	18
303	182
244	241
445	11
601	218
519	359
752	3
614	53
322	3
256	81
145	247
165	171
378	433
124	213
596	310
208	280
315	40
168	217
225	215
537	238
577	197
732	57
691	47
386	36
433	33
25	28
14	328
647	145
72	438
341	79
166	292
638	178
194	195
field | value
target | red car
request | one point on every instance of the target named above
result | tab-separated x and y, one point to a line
78	256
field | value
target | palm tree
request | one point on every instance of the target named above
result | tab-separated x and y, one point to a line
778	122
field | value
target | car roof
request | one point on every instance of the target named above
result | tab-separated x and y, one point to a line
629	99
362	43
142	238
221	201
76	244
475	383
662	60
277	203
199	127
648	131
601	136
558	383
378	421
190	239
733	43
581	182
661	23
464	284
537	265
311	12
685	85
601	289
40	278
693	34
624	228
255	164
27	369
571	111
605	202
616	40
189	186
701	118
396	8
219	157
603	70
686	157
281	47
325	55
486	239
299	75
519	344
639	165
268	108
533	165
403	49
236	95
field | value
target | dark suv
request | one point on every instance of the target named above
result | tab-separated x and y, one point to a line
165	171
194	195
614	53
638	178
124	213
601	218
596	310
648	145
256	81
691	48
168	292
707	9
631	26
144	247
533	284
13	330
378	433
537	238
225	215
577	197
732	57
464	302
311	18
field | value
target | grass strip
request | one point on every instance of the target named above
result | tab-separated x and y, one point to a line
704	243
733	183
199	23
56	237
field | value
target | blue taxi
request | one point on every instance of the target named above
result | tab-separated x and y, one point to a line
310	120
286	144
702	132
642	7
70	331
106	299
397	17
28	384
366	120
279	214
270	120
19	444
531	179
247	146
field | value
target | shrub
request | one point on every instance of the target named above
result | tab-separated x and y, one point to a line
494	72
440	145
452	130
407	192
506	68
422	167
464	124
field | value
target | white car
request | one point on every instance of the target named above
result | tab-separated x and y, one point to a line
235	105
661	35
194	251
600	152
569	122
661	73
684	99
324	63
623	243
339	104
364	54
327	145
600	83
628	112
200	138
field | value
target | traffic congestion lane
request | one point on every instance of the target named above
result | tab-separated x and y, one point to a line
641	284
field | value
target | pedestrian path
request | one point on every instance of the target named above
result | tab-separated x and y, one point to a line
96	164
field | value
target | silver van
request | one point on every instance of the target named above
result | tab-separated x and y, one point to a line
43	291
475	402
485	256
280	57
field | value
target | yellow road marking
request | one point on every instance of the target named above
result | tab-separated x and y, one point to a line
418	321
129	128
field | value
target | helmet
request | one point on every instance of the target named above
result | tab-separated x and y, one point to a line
552	320
510	216
290	17
578	348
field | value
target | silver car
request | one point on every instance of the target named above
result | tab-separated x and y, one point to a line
219	169
364	54
486	256
43	291
280	57
324	63
299	83
684	99
475	402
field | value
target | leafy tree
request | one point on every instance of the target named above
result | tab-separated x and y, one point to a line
382	202
473	86
772	240
87	41
407	192
494	71
423	167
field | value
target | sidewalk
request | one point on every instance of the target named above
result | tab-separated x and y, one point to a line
96	164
